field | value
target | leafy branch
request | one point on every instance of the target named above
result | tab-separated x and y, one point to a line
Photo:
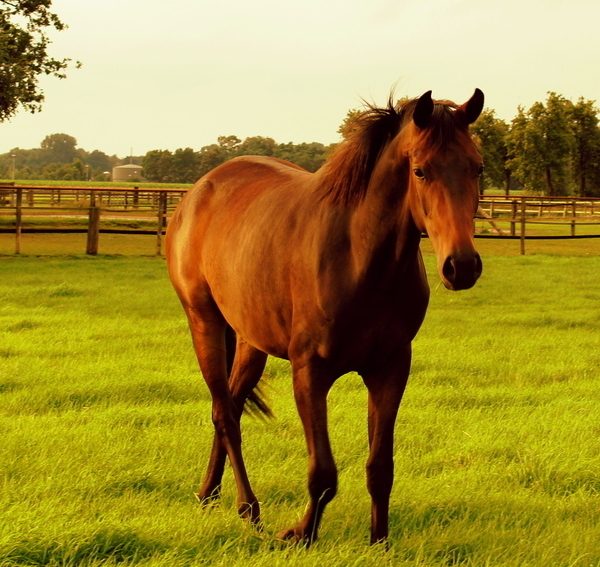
24	54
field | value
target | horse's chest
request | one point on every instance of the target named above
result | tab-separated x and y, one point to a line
372	328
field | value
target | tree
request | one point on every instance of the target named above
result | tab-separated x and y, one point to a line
98	160
158	166
541	142
210	157
229	143
586	151
349	124
185	166
23	54
74	171
59	148
308	156
256	146
492	133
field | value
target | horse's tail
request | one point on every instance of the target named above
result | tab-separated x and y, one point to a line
255	403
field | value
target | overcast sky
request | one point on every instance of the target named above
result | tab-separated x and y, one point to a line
163	74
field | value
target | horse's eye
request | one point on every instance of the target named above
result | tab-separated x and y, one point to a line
480	170
419	173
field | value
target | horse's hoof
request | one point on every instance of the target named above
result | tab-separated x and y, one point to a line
381	542
250	512
210	501
294	536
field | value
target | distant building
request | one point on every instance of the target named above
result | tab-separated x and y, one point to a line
127	172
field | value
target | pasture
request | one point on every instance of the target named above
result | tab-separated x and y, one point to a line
105	425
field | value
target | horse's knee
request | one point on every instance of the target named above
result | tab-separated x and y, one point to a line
226	426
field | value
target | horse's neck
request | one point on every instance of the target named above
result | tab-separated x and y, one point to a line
383	235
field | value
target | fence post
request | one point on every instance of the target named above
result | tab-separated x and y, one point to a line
18	220
93	227
523	215
162	217
574	206
513	217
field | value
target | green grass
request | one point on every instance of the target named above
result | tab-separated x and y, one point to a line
105	427
128	245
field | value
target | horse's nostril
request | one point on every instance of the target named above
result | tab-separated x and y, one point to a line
449	269
462	271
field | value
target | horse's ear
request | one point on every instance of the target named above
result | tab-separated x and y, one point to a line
473	107
423	110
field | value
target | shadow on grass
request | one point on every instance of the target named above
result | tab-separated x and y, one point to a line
116	545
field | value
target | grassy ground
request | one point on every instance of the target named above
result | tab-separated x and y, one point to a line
129	245
105	425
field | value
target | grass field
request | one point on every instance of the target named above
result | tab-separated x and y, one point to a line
129	245
105	425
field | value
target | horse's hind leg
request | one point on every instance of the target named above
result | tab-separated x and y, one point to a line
247	369
211	487
208	332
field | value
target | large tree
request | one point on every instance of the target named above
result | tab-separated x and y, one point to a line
59	148
586	151
186	165
348	126
256	146
309	156
491	133
541	142
158	166
24	54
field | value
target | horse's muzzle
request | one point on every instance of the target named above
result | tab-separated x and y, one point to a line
461	271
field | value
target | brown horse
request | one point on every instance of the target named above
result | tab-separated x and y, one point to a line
324	269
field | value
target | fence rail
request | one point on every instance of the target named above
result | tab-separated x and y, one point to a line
48	205
93	208
555	212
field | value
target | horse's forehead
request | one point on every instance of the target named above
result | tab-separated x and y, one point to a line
458	147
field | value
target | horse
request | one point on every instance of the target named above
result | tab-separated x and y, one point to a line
324	269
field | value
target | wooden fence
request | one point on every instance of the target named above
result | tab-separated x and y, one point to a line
22	207
50	205
515	213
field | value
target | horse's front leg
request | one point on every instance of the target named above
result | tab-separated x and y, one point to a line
311	386
386	386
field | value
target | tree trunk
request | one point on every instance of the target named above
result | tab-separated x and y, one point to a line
549	184
582	187
507	176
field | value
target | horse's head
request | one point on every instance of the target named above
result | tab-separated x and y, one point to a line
444	167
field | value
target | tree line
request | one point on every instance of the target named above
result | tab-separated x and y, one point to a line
552	148
58	157
187	165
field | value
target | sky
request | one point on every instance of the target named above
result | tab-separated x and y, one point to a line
179	73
